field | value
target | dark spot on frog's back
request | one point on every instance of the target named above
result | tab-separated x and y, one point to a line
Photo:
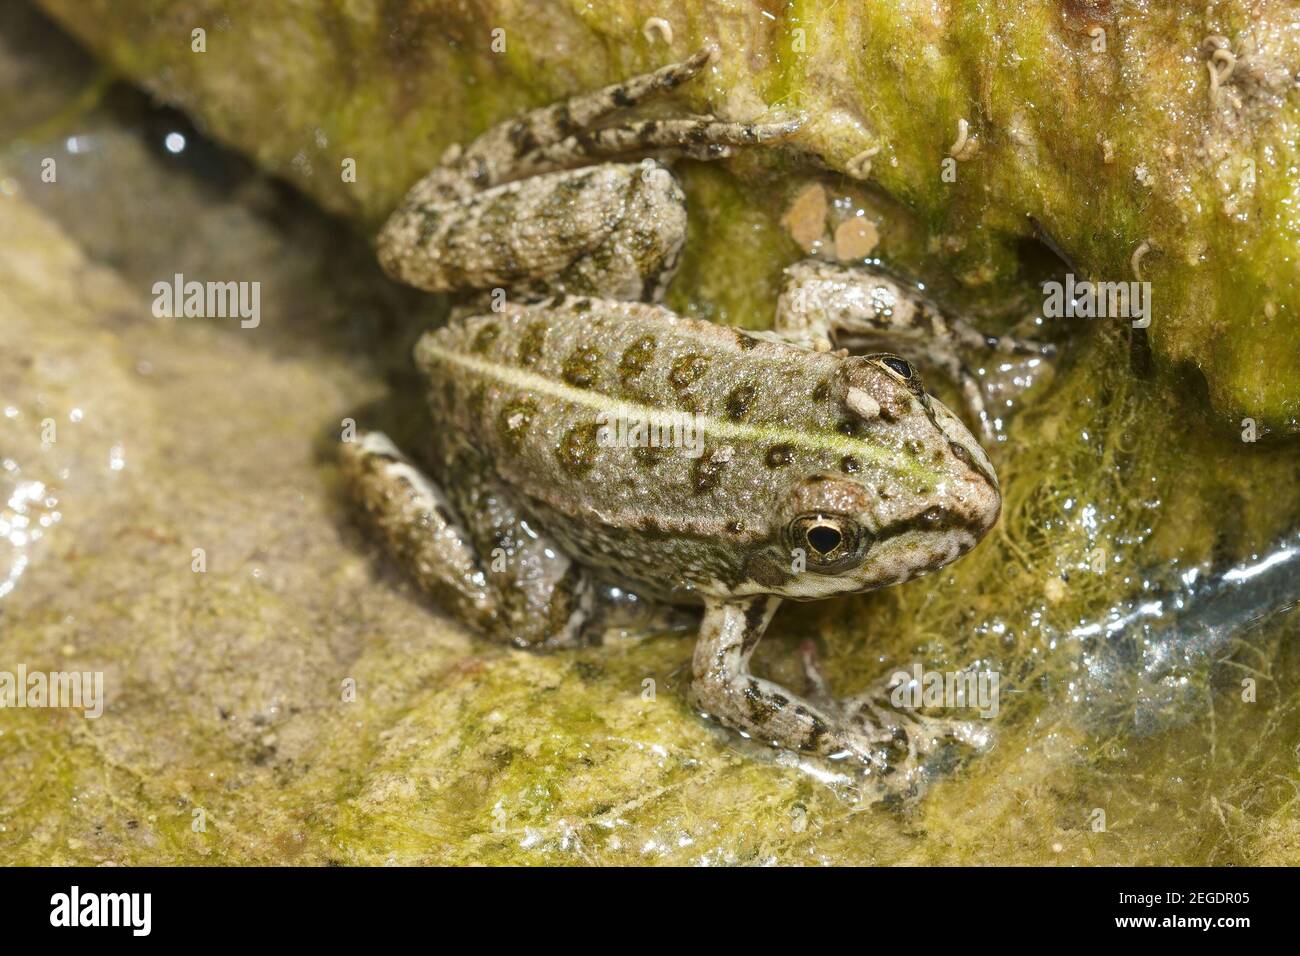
513	423
822	392
778	456
686	370
739	400
577	450
532	344
706	474
850	465
484	338
648	456
581	367
638	356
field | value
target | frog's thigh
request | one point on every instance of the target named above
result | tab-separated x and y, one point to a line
419	527
611	231
543	596
724	688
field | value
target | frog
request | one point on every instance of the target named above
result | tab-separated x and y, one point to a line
814	471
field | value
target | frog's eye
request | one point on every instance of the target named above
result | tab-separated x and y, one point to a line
831	542
901	369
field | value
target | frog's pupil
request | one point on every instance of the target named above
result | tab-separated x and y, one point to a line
824	539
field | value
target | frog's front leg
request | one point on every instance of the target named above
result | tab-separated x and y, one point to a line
824	305
724	688
914	735
491	572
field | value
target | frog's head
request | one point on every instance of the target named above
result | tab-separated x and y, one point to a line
922	494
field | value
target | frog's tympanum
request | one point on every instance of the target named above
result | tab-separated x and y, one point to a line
585	436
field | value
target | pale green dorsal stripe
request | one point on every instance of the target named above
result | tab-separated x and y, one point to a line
530	382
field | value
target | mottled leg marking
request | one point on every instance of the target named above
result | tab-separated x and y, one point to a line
483	220
418	528
610	231
912	736
697	137
519	594
825	305
724	688
824	301
495	156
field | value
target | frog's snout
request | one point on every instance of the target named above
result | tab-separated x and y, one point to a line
974	492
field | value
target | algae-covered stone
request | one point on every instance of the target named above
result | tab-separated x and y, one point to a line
282	696
1146	140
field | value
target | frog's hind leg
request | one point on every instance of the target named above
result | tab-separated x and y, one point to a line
613	231
493	157
507	211
517	593
695	137
416	523
566	133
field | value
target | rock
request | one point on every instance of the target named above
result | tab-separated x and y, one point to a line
287	698
1114	128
